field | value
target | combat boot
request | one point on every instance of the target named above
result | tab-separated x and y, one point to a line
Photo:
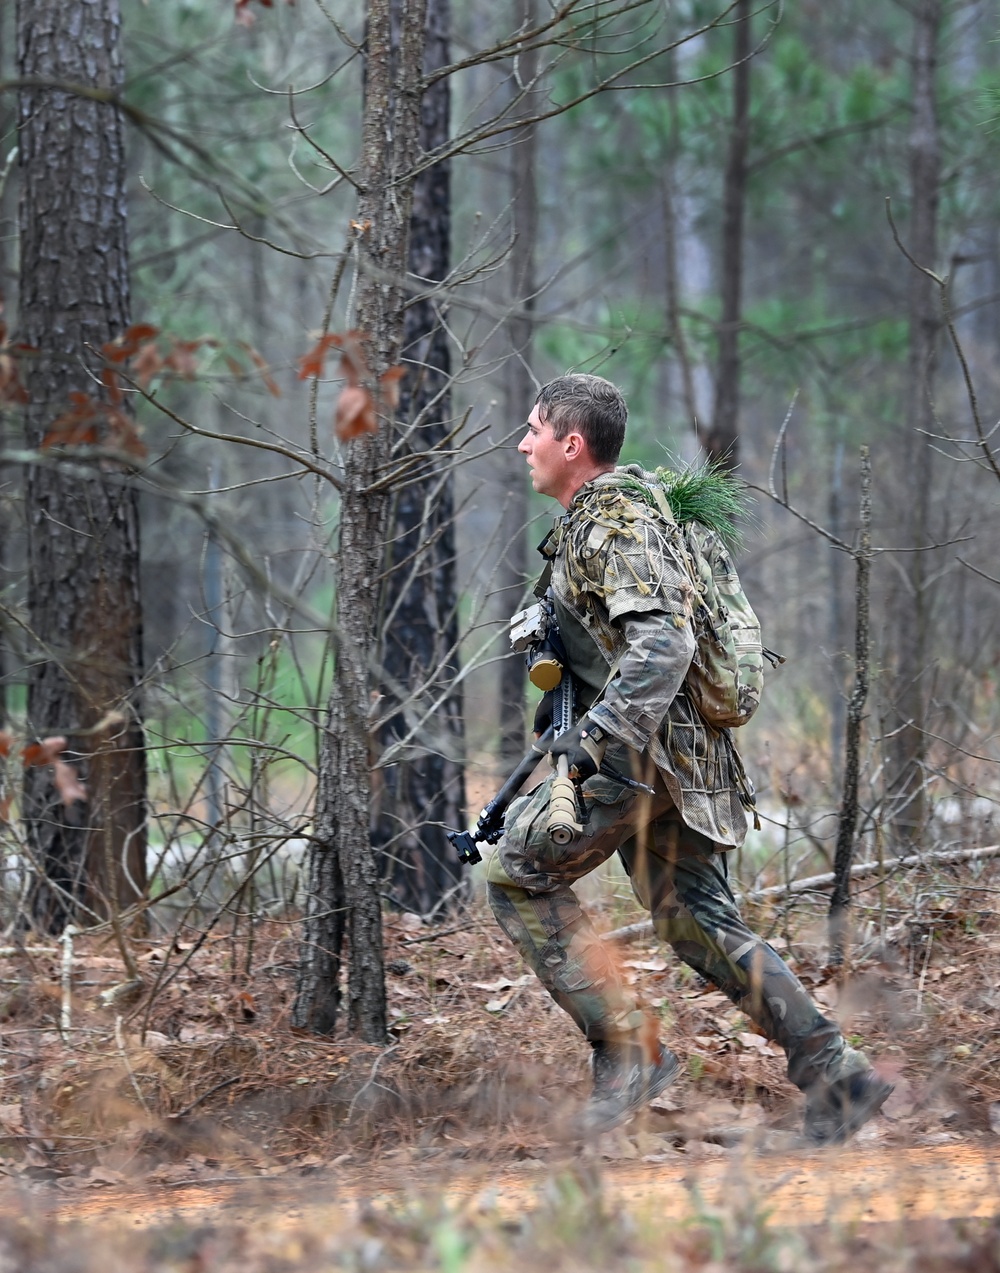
835	1111
627	1075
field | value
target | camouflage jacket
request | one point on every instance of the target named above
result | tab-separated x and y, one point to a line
623	598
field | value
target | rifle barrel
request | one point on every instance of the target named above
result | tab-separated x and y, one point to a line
490	825
525	767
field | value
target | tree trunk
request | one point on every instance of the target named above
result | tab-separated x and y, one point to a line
848	820
422	793
835	588
906	720
722	442
83	534
519	388
7	480
344	894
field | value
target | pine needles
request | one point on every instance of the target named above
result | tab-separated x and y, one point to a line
710	494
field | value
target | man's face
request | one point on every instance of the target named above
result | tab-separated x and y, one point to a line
547	457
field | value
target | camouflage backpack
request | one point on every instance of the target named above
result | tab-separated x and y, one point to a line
726	676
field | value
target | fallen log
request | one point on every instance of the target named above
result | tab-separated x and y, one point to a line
813	882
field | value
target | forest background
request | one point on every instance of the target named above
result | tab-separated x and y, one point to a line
278	656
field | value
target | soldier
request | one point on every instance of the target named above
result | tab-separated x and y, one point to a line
622	599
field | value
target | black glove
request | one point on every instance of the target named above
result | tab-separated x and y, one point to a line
583	746
543	714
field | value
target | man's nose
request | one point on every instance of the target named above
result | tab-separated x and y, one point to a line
522	446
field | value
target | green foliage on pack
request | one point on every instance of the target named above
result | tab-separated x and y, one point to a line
726	676
709	494
705	493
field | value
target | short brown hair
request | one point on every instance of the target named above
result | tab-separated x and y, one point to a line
592	405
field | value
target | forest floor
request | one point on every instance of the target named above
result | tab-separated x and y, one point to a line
195	1129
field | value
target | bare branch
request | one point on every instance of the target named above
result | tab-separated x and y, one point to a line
942	283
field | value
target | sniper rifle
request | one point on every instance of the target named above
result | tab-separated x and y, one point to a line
566	808
534	633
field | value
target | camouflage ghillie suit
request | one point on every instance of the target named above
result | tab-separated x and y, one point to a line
623	599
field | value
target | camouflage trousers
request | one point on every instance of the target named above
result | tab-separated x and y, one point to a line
682	879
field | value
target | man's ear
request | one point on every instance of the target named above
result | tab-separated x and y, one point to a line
573	445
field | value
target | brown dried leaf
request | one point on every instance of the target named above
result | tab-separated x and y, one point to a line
109	378
181	358
12	1117
355	413
139	333
756	1043
44	752
353	365
11	389
313	363
49	752
124	347
111	721
76	427
147	363
265	372
123	434
389	386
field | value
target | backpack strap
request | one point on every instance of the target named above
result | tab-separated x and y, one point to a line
548	549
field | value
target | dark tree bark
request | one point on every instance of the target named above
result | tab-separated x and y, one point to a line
519	386
722	441
83	534
344	892
420	794
907	708
847	824
835	590
9	482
